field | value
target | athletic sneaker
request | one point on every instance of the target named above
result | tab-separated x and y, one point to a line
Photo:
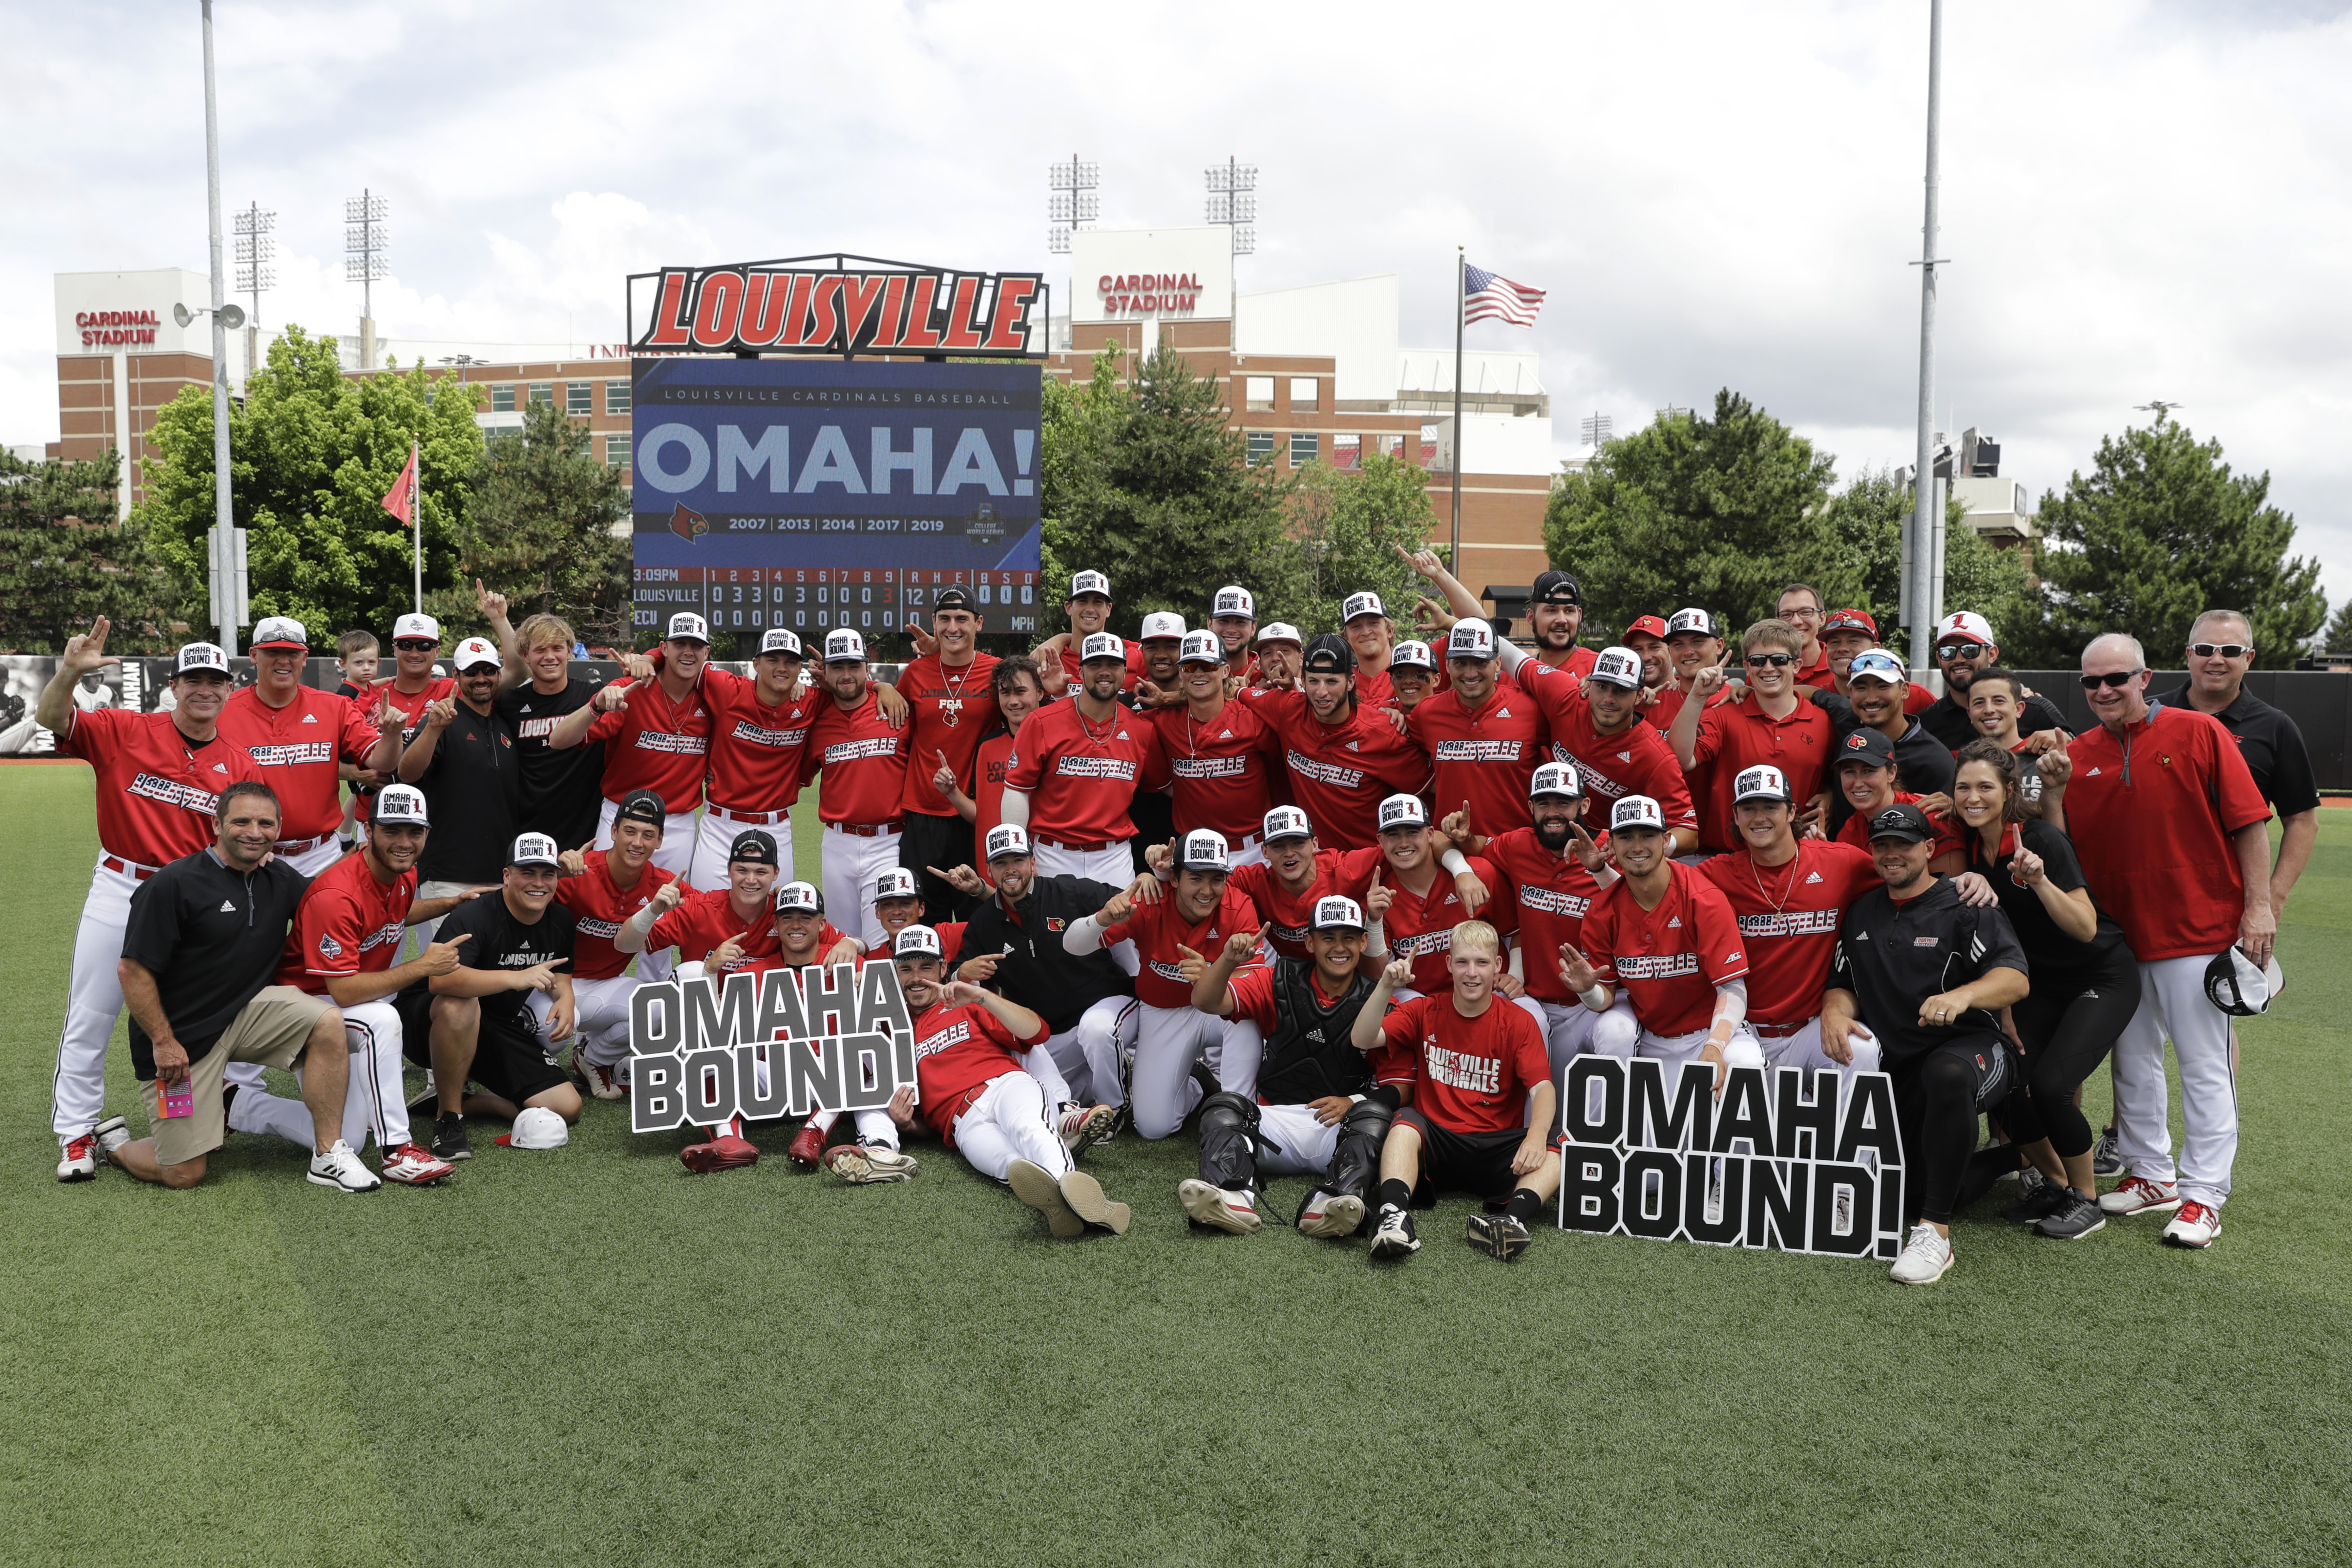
1503	1236
1084	1196
2076	1217
1218	1208
2038	1199
1035	1185
2106	1158
1926	1258
1324	1214
598	1078
2195	1225
726	1152
807	1146
449	1142
1394	1239
78	1157
862	1164
411	1164
340	1168
2140	1196
114	1131
1084	1127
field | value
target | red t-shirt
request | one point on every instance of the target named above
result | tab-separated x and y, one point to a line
1081	775
2151	816
1547	894
1486	756
1223	767
949	710
1421	926
704	920
1158	930
158	792
1948	834
656	744
757	749
1473	1074
598	907
1667	960
1789	917
1276	904
1739	736
298	748
957	1050
991	766
1671	698
1340	773
410	707
863	761
1250	994
1637	760
347	924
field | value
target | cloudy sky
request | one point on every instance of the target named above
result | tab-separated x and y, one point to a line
2142	198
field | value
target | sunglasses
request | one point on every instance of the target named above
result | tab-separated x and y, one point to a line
2120	678
2227	649
413	644
1959	650
1777	661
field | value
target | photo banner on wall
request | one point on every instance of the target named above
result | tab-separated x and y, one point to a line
815	494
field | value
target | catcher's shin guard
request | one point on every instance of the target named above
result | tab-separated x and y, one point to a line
1356	1160
1229	1141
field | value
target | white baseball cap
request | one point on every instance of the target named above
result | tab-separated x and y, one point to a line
799	898
1201	648
415	625
1337	914
844	647
896	883
686	626
1879	665
200	657
1004	840
1413	653
1280	631
1556	778
916	942
1286	822
1102	645
1162	623
534	848
1231	601
2237	986
1470	640
1204	850
1617	667
400	803
279	631
778	639
1402	812
476	651
1636	812
1966	623
1761	782
1361	604
535	1127
1698	621
1087	583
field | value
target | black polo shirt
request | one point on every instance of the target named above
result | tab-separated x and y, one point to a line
1947	721
2271	746
503	943
563	791
1034	970
212	937
1923	764
473	799
1892	957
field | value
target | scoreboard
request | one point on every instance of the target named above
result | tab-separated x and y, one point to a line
813	493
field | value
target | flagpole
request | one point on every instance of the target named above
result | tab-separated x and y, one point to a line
1461	282
416	522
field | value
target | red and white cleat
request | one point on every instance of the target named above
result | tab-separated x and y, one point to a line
2140	1196
1084	1127
599	1080
1218	1208
78	1158
807	1147
724	1153
2195	1225
413	1164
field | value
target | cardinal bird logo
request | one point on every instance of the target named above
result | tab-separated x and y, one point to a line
689	524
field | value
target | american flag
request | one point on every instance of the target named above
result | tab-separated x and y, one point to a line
1488	297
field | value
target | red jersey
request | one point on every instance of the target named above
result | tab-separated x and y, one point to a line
1339	773
1250	994
1158	930
1421	926
1373	687
1788	917
1671	698
757	749
1817	674
951	710
2151	814
410	707
1949	832
991	766
347	924
598	907
1548	894
298	748
828	939
1667	960
704	920
957	1050
1486	756
1276	906
863	761
1637	760
1071	662
158	792
1473	1073
1738	736
1579	662
1223	767
656	744
1081	775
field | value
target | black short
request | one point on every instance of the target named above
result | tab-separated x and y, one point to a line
414	1006
942	841
1476	1163
510	1060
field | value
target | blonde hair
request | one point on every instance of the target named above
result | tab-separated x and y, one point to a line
1476	937
541	630
1773	632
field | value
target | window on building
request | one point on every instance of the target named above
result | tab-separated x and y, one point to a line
617	397
1257	393
542	394
1261	448
617	451
1347	452
576	397
1302	448
503	398
1391	444
1303	393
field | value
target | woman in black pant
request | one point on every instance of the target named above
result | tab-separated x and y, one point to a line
2085	983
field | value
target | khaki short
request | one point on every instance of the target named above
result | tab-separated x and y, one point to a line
271	1030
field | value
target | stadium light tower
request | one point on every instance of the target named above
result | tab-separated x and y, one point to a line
254	251
1231	202
365	240
1074	203
1596	429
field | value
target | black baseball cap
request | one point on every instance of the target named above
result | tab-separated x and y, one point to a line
1323	660
1906	822
754	846
950	599
1868	746
1556	588
642	806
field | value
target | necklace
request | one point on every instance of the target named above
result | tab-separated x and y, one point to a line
951	701
1086	725
1796	864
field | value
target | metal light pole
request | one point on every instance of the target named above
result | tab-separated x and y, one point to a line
1919	609
222	513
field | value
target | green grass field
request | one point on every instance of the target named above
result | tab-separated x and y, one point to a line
590	1357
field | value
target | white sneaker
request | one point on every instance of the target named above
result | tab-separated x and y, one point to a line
1926	1258
1218	1208
2195	1225
340	1167
2140	1196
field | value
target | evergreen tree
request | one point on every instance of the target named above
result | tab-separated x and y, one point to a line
538	527
65	561
1866	519
1347	528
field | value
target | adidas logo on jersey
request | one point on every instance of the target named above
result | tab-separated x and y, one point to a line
1502	713
1351	746
218	768
2093	773
525	708
310	718
1624	757
1225	735
1674	922
1812	876
228	907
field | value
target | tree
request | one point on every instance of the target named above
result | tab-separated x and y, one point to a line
538	524
2162	530
2339	631
1866	521
311	453
64	561
1347	528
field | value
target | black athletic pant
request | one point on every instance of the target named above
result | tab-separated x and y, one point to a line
942	841
1938	1094
2067	1033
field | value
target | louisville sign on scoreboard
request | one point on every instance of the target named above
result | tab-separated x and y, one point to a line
819	491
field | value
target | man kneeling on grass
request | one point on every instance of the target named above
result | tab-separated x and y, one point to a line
978	1099
1483	1106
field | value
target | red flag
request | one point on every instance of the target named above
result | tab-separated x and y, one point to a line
401	499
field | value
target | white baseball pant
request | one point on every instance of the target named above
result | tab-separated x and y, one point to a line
600	1020
1803	1050
1114	866
1618	1033
2172	1002
375	1102
851	867
318	858
716	837
1295	1142
1168	1041
1012	1120
676	856
93	1001
1101	1035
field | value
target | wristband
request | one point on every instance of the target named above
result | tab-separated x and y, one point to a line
1451	860
1596	1000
